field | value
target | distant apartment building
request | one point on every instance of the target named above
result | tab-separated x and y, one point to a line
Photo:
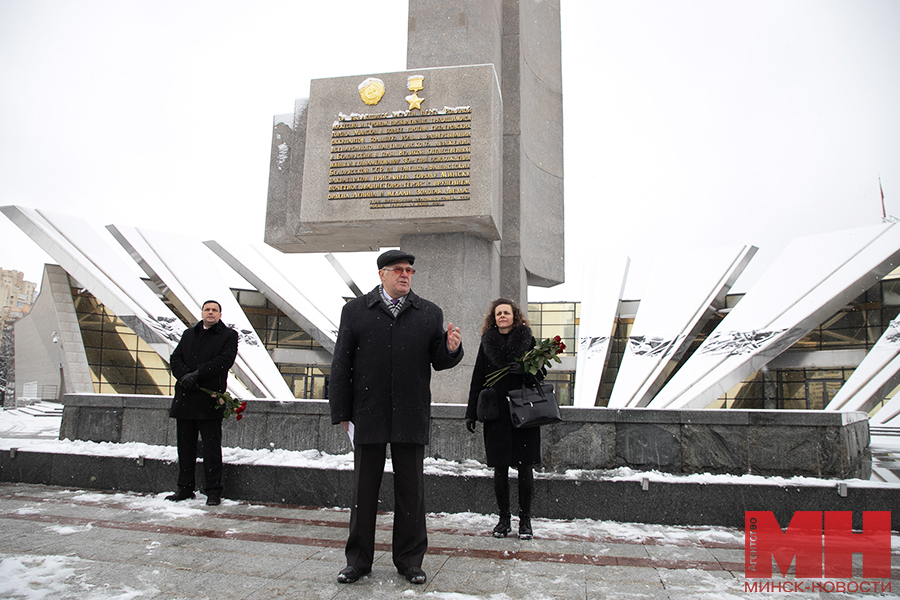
16	295
16	299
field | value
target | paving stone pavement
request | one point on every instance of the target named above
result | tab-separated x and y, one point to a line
62	543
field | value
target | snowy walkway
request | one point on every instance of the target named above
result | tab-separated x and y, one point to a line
57	543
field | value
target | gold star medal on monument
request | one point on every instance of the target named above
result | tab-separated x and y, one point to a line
371	90
415	84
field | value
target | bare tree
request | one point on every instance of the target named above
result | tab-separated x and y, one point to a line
7	363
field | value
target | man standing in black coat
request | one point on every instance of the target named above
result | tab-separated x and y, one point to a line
387	344
201	360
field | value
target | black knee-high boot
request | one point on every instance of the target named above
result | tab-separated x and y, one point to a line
501	490
526	491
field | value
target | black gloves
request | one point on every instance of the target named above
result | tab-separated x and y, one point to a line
189	381
515	368
470	425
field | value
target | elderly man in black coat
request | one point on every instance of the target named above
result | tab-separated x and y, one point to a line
201	360
387	344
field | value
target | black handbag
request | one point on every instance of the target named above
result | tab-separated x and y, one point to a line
487	408
533	406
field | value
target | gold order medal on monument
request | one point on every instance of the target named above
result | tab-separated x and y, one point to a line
371	90
415	84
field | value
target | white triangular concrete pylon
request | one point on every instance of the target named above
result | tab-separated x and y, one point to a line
884	475
791	298
256	265
604	283
191	273
94	263
888	415
875	377
683	291
84	255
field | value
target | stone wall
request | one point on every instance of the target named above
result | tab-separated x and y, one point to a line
761	442
674	502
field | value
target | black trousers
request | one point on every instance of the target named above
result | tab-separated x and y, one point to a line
410	540
210	432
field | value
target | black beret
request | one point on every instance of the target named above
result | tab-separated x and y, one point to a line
394	256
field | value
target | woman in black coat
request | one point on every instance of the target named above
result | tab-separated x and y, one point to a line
505	336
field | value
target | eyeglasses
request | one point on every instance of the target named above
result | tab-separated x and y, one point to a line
398	271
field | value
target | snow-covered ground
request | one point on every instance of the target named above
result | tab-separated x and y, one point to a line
40	434
37	577
33	577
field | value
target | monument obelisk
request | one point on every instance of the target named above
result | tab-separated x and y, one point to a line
458	160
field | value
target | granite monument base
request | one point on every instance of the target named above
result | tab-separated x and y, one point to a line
830	445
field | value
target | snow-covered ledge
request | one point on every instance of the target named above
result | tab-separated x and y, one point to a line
761	442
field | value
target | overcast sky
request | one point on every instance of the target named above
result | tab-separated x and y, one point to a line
687	124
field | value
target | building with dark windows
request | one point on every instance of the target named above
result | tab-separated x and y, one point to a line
825	340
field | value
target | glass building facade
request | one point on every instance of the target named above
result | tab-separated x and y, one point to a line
122	363
551	319
277	330
858	326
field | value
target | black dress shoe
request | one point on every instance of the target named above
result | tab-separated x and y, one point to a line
414	575
503	527
181	494
213	500
525	531
349	574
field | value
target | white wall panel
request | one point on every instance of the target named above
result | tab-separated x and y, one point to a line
685	288
885	475
82	253
137	249
95	264
278	280
192	273
812	279
875	377
604	285
152	266
889	414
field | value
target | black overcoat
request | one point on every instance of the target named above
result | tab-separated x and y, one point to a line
381	370
503	444
211	352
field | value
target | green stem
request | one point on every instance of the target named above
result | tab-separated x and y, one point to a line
495	377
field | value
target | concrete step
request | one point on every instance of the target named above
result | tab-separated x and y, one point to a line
889	431
41	409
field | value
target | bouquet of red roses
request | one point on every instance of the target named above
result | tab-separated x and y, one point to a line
231	405
534	360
